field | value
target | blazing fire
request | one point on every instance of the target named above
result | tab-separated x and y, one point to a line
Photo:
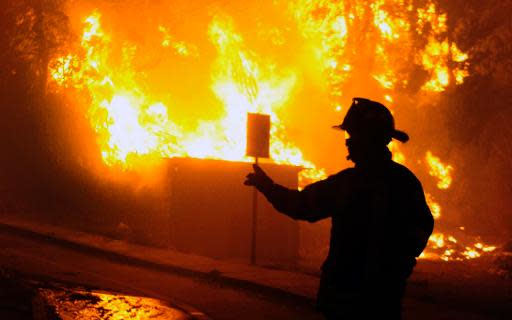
439	170
447	247
134	128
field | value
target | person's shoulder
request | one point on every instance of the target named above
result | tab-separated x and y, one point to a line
332	182
403	173
345	173
342	176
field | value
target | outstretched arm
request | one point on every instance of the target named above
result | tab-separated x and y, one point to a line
301	205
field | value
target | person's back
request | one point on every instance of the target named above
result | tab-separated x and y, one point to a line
373	241
380	219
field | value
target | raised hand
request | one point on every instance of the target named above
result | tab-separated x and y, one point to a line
258	178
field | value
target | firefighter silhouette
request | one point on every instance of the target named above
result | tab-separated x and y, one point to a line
380	219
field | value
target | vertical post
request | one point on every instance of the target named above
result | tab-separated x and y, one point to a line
254	220
258	139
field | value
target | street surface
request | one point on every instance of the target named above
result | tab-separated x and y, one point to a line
52	263
437	290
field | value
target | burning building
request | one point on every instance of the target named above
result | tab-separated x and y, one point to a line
118	88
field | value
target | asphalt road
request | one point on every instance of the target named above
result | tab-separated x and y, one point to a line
436	291
54	263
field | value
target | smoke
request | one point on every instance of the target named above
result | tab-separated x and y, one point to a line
476	118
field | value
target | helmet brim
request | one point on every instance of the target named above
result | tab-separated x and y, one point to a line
396	134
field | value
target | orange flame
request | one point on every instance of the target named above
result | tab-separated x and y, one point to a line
439	170
133	128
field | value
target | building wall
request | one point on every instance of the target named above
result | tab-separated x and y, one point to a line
210	212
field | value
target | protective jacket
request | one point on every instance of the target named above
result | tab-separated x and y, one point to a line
380	224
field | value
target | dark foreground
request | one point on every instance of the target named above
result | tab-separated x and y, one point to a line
36	272
49	266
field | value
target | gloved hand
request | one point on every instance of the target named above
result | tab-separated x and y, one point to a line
258	178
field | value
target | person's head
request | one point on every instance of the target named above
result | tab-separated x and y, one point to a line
370	127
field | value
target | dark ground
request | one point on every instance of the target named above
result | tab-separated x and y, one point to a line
437	290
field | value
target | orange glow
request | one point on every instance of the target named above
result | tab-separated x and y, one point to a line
132	127
447	248
439	52
439	170
180	48
382	39
435	208
398	156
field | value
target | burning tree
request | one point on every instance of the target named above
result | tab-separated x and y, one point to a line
412	55
34	31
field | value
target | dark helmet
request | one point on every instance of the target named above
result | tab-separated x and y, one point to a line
371	119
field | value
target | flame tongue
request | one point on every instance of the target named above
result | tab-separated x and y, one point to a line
131	125
134	128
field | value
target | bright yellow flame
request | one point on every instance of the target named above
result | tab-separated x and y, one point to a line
180	48
429	15
477	250
334	28
488	248
384	80
457	54
132	128
434	61
439	170
62	68
92	28
435	208
447	248
244	86
438	53
437	239
244	82
384	22
398	156
326	25
470	253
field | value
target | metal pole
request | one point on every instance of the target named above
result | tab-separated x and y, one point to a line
254	219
